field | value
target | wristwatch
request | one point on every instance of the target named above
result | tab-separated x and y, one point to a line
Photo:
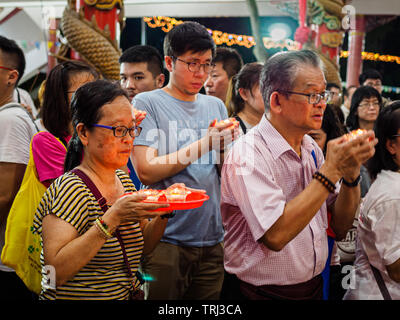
168	215
355	183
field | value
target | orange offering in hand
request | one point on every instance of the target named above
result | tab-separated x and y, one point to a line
355	133
233	122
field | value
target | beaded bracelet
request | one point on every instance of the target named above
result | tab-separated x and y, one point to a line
103	228
328	184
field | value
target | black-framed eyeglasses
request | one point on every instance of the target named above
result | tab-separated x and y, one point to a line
368	104
195	66
121	131
395	135
313	98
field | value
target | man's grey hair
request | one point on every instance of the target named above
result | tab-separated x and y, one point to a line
280	71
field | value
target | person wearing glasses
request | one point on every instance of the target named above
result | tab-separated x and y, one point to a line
94	245
365	105
16	131
377	263
276	186
373	78
178	144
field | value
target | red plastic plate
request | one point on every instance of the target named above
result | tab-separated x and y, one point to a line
193	200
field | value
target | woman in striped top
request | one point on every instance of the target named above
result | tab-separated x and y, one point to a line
83	258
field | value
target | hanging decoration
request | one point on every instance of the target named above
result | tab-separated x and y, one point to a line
374	56
167	23
220	37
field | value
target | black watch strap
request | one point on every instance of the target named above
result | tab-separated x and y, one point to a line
168	215
355	183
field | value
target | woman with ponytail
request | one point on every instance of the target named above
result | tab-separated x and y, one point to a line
49	146
94	229
246	98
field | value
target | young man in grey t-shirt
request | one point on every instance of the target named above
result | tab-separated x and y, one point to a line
179	145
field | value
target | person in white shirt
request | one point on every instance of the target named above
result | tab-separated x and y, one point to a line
16	131
378	243
23	97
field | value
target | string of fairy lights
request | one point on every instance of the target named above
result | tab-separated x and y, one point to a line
230	39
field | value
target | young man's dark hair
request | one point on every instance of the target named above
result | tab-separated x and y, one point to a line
369	74
14	55
188	36
231	60
144	53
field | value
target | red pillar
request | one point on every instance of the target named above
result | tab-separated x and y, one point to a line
356	47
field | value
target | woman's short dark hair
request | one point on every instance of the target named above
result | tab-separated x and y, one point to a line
55	111
247	77
188	36
386	126
86	107
363	92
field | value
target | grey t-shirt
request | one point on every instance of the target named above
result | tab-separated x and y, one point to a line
170	125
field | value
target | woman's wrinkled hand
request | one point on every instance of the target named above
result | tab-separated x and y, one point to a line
129	208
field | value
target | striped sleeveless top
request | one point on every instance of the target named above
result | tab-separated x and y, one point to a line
105	277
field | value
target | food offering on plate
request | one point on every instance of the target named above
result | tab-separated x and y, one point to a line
177	193
233	121
178	196
151	194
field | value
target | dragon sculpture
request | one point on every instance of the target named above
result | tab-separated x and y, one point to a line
95	45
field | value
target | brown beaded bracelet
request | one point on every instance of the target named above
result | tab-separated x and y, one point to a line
328	184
